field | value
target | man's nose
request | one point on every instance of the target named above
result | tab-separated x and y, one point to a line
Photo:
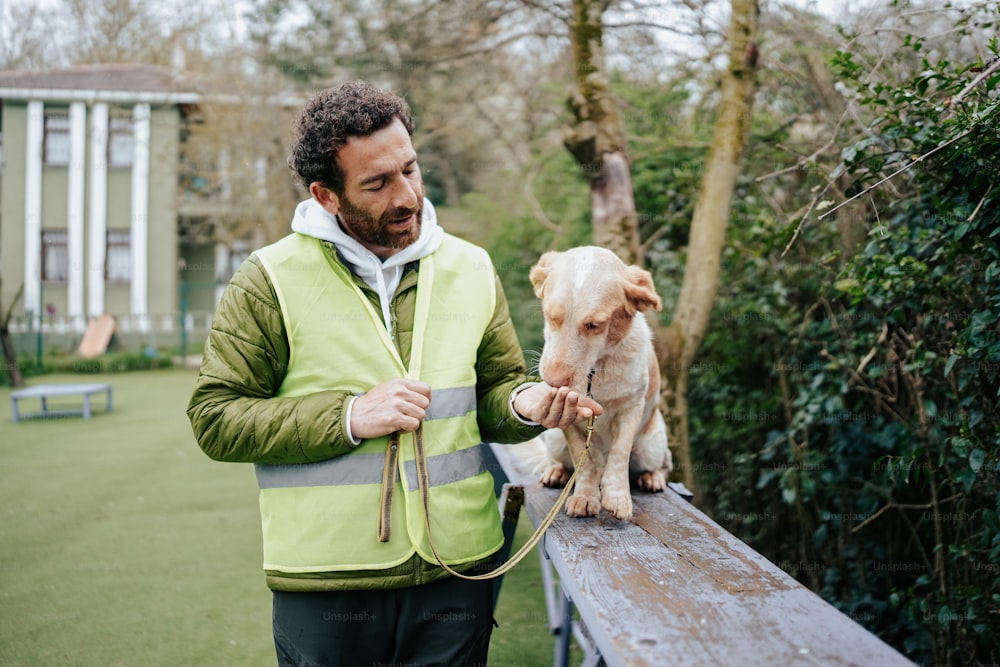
404	194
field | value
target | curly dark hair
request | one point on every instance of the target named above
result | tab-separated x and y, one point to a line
354	109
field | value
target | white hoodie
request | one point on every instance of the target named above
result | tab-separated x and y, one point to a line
382	276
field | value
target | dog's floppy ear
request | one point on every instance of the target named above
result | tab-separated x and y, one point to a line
640	293
540	273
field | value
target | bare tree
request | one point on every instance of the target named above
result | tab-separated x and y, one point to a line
114	31
77	32
597	138
234	148
598	142
678	343
442	57
24	42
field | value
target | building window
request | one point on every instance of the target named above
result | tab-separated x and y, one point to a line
118	267
120	141
56	144
55	256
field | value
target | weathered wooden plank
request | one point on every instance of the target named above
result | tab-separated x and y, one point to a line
672	587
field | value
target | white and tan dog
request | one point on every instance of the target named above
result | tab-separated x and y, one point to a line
593	303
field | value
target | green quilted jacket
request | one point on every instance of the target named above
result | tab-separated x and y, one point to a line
236	418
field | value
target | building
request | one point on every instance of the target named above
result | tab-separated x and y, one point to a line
100	189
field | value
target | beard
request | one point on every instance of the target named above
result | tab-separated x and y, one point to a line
377	232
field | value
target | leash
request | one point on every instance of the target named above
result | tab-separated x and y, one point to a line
423	483
388	486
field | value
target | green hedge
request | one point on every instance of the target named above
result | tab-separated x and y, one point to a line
112	362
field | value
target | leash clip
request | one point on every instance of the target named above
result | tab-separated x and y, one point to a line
590	422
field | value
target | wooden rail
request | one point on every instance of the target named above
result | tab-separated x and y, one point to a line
672	587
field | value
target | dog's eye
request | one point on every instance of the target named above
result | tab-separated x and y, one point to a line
591	326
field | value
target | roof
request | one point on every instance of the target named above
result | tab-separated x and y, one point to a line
120	82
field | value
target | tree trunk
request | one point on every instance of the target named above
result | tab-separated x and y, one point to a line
678	343
597	139
9	353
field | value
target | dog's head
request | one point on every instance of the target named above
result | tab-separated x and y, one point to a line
589	299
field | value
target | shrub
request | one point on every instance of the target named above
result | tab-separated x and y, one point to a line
867	388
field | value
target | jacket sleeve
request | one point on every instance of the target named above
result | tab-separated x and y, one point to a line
234	412
500	369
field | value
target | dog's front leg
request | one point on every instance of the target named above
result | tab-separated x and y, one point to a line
586	498
615	483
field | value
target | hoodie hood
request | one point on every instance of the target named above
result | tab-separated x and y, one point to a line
382	276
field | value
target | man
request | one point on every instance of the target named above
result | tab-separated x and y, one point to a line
331	352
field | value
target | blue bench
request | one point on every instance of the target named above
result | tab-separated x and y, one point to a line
44	392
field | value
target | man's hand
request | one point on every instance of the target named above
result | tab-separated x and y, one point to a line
396	405
555	407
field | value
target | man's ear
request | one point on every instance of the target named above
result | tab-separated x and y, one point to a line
325	197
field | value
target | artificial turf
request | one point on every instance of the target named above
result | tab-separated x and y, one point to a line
121	543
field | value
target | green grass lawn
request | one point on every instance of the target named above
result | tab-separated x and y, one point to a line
121	543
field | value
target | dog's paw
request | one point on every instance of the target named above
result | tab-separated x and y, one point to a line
583	506
555	476
652	481
619	504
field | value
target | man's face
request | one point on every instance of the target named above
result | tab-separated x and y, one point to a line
383	200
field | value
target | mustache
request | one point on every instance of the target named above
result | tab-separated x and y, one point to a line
401	213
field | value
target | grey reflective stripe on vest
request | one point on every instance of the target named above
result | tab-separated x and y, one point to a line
448	468
361	468
367	469
347	469
451	402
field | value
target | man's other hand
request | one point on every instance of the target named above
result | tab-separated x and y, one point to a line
396	405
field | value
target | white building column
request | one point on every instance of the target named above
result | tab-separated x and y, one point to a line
139	237
76	215
98	222
34	136
221	270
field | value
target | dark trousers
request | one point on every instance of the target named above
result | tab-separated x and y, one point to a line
445	623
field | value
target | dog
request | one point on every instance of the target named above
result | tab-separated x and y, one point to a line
596	337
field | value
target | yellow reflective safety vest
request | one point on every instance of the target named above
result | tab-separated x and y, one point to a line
324	517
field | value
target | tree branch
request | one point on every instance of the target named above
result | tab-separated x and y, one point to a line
649	24
915	161
972	216
975	82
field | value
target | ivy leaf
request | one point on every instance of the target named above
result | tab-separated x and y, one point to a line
767	476
788	495
846	285
992	271
952	360
976	459
945	615
967	478
849	153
